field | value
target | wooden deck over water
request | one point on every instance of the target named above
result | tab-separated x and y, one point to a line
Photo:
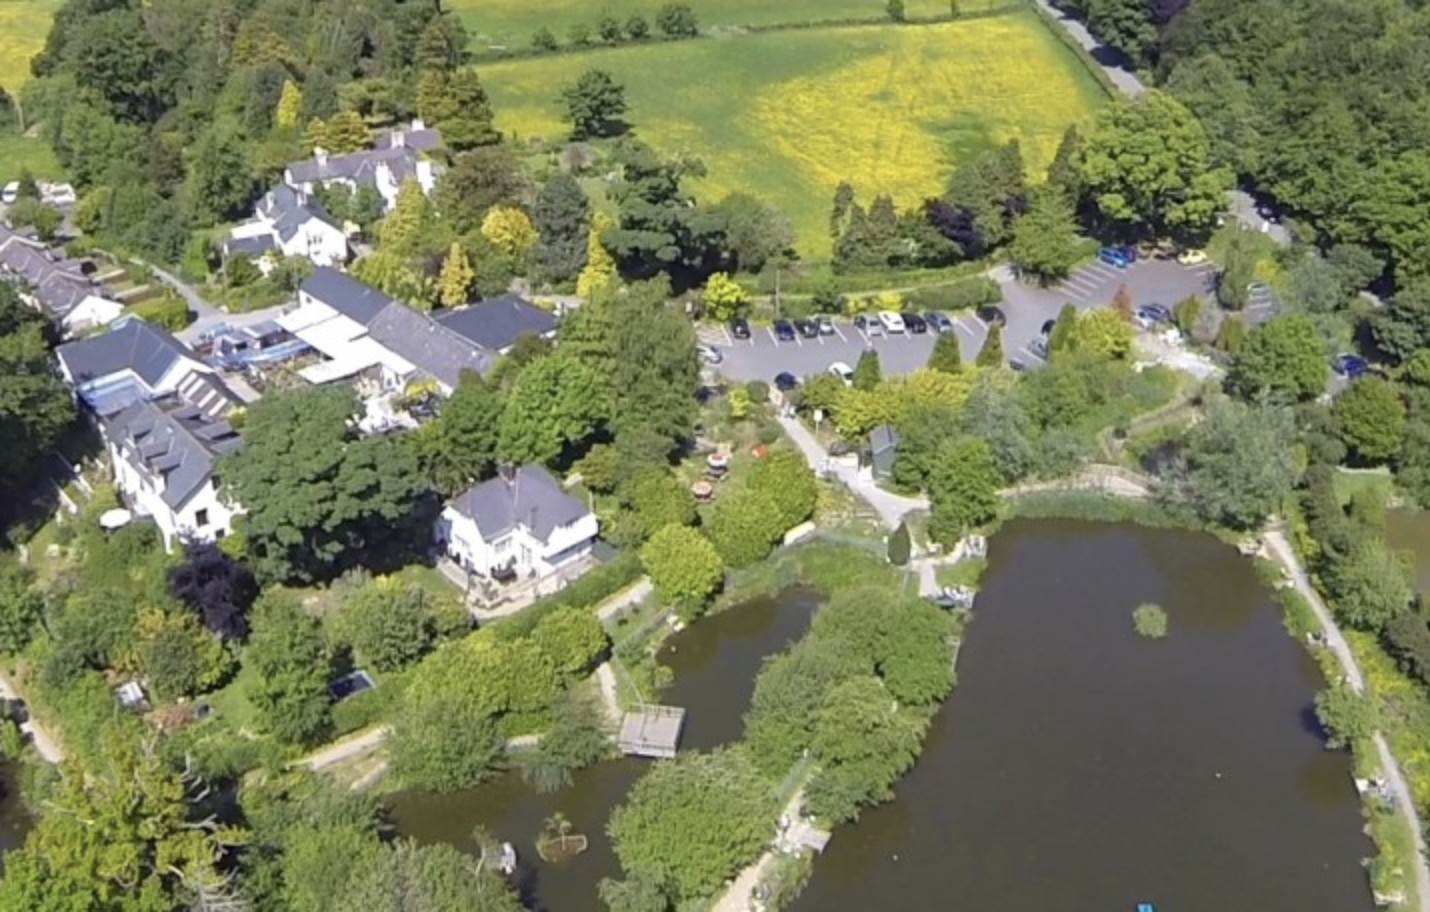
651	731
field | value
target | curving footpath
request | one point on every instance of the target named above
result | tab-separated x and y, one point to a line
46	746
1281	551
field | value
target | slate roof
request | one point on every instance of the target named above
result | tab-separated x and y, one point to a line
427	344
345	294
418	136
250	246
58	284
496	324
358	167
174	440
883	438
130	344
532	498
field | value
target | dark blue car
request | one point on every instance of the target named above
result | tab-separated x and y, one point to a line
784	330
1116	257
1350	366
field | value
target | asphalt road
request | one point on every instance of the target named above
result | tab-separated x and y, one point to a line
1026	307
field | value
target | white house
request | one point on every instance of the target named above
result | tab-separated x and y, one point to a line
132	360
289	223
54	284
395	158
518	525
163	453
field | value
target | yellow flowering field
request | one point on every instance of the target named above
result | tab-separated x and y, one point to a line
23	27
788	115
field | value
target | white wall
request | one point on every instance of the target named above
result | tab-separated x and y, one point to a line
143	492
323	244
466	545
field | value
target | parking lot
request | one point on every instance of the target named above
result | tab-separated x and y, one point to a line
1027	308
761	356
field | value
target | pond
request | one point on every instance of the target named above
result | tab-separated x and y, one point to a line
714	663
14	822
1409	531
1081	768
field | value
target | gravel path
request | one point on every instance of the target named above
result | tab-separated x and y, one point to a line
1281	552
45	745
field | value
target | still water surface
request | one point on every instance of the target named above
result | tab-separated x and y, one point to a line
1077	768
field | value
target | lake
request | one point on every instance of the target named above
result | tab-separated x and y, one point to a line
14	822
714	661
1081	768
1077	767
1409	530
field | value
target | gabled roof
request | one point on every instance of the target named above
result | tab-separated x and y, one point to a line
418	136
249	246
353	299
427	344
496	324
58	284
359	167
883	438
531	499
174	440
131	344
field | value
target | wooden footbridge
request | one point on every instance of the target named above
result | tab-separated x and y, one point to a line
649	730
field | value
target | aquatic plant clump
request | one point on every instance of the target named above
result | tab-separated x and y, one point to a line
1150	621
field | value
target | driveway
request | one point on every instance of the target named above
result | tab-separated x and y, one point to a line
194	331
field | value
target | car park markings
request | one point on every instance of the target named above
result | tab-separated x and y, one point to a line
840	333
958	323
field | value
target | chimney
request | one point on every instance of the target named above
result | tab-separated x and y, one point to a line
399	139
320	155
418	125
507	472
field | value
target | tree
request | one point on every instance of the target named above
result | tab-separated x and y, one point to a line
31	213
1104	334
657	499
512	233
1346	715
895	10
1238	463
543	39
658	227
594	105
963	490
1044	240
609	28
113	55
1125	25
600	269
345	133
683	565
21	607
443	744
562	214
578	737
755	234
476	181
637	28
991	354
789	691
742	528
290	667
1185	314
35	405
867	372
677	20
1062	173
455	281
290	106
984	195
388	624
572	639
466	120
177	657
220	182
314	495
217	588
655	369
863	744
689	823
1122	303
1371	418
1402	327
1063	336
1284	358
946	355
785	481
1370	586
1231	335
995	413
900	546
26	186
724	298
402	230
1238	270
556	402
1147	166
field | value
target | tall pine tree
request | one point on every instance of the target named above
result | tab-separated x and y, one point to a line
991	354
946	356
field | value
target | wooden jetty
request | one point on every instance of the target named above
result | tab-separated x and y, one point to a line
651	731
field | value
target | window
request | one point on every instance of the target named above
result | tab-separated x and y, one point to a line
201	518
502	546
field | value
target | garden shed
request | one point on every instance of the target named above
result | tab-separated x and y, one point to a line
883	447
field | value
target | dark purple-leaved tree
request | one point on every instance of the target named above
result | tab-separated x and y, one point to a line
218	588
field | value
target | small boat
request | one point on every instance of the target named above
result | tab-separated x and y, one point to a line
1145	907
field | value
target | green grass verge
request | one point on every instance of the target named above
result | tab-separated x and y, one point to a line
23	27
17	153
788	115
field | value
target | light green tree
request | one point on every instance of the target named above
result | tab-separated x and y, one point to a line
723	297
682	564
1103	333
1284	358
963	490
1044	243
290	106
1371	419
991	354
455	282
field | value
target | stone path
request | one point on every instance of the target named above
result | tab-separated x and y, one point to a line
45	745
737	897
1125	80
891	507
1281	552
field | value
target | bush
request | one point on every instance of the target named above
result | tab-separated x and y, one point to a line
363	709
590	589
169	312
1150	621
963	295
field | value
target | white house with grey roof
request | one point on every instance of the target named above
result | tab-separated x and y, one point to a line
163	453
361	331
132	360
495	325
53	284
288	223
518	525
396	157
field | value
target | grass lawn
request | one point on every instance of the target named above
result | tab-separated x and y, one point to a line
23	27
511	23
788	115
20	152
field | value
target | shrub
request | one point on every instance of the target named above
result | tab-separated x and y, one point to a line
1150	621
963	295
169	312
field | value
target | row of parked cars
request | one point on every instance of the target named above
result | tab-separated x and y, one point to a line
885	322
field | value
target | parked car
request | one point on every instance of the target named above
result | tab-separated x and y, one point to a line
1048	325
740	328
938	322
785	381
915	322
1130	254
891	321
1258	289
992	315
826	326
843	372
10	193
1150	315
807	328
1039	347
1192	257
1116	257
868	325
784	330
710	354
1017	366
1350	366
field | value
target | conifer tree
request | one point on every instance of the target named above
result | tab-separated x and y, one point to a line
600	267
991	354
455	282
346	132
290	104
1122	302
946	356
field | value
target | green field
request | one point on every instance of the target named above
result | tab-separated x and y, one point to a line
23	27
788	115
511	23
19	152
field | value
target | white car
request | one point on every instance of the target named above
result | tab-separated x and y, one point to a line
10	193
710	354
891	321
1192	257
843	372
